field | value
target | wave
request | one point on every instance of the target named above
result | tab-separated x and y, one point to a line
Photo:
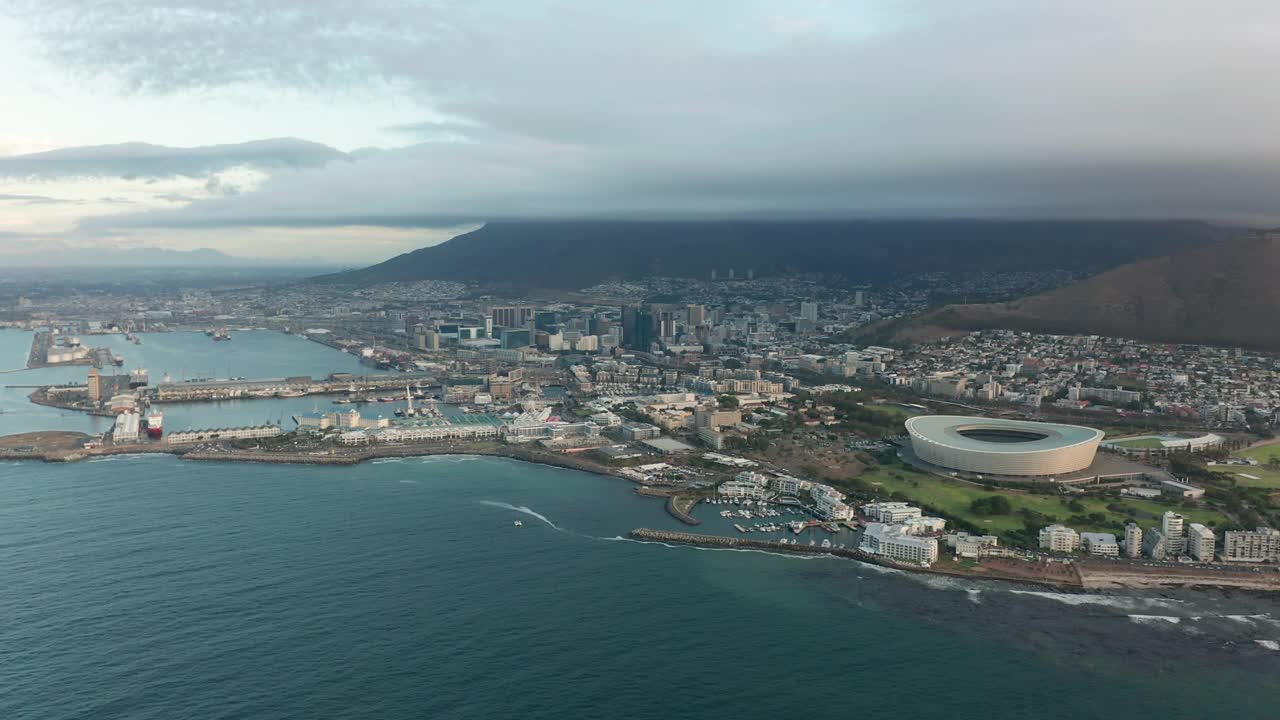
384	461
522	509
1120	602
975	596
408	482
1269	644
1155	619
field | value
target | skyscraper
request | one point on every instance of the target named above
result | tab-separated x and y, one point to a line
809	311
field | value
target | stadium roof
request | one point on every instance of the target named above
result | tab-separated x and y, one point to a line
947	430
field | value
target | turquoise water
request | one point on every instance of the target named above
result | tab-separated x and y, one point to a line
153	588
255	354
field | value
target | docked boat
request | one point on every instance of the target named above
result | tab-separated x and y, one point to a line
155	424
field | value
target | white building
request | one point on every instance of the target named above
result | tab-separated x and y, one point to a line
1103	544
971	546
787	485
1060	538
890	541
924	526
891	512
1258	545
127	428
829	503
1171	526
744	485
1200	542
253	432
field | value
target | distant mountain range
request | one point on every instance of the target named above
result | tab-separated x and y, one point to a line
1227	293
142	258
570	255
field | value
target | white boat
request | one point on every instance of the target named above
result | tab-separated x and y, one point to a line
519	524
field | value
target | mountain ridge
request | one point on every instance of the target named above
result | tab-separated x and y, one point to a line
576	254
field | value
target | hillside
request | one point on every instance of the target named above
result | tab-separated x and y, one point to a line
568	255
1224	294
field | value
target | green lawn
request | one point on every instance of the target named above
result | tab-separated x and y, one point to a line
894	410
953	497
1264	478
1139	443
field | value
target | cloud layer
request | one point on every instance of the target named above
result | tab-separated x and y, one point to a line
991	108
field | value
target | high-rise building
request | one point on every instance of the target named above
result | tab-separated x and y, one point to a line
697	315
1258	545
512	316
666	320
545	320
95	385
637	327
809	311
859	298
1174	535
1153	544
1132	540
1200	542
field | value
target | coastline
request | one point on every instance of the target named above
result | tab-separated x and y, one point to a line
1080	575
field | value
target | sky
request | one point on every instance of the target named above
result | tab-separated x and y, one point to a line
356	131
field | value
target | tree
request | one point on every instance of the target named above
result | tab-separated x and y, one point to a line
991	505
728	401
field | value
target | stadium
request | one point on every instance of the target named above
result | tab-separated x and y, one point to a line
1002	447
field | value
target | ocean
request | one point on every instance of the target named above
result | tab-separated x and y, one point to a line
149	587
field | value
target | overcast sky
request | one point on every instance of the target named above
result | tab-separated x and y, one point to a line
356	130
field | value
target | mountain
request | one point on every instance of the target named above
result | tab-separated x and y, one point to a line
1227	293
576	254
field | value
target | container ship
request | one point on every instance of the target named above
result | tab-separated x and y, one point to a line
155	424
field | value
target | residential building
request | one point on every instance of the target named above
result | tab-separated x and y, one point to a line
971	546
1059	538
1153	544
829	503
1171	526
1103	544
1132	540
1260	545
1200	542
254	432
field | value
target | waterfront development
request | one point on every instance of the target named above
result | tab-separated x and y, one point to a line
412	571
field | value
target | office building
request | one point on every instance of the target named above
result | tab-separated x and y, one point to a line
809	311
511	316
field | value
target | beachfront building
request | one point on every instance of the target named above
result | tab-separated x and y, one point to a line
829	503
1132	540
1200	542
971	546
892	542
251	432
1103	544
1171	526
891	512
1059	538
1259	545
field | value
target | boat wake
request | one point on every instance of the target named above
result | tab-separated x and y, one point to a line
522	509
